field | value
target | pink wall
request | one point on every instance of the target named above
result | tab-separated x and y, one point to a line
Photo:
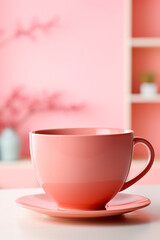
82	56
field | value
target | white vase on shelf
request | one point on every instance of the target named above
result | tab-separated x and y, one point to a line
148	89
10	145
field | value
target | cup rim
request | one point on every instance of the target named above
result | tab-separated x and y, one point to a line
120	131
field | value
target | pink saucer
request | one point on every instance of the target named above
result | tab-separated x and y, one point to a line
120	204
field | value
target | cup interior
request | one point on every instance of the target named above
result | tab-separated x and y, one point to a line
83	131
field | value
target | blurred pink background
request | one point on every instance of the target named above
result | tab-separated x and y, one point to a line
81	56
77	48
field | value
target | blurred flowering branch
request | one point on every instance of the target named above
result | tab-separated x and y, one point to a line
30	32
18	107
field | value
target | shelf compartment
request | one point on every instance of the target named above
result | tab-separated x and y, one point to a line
145	60
145	18
145	123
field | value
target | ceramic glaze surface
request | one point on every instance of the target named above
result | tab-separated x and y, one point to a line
83	168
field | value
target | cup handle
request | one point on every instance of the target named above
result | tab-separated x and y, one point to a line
148	165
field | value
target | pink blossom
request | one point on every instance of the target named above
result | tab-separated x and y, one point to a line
19	106
29	32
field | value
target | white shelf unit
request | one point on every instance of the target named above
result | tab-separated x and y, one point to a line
144	42
130	43
138	98
17	163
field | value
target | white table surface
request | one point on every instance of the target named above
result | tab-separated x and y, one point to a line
19	223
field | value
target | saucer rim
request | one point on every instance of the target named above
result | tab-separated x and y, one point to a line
82	214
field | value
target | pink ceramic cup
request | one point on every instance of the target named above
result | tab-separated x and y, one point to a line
84	168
